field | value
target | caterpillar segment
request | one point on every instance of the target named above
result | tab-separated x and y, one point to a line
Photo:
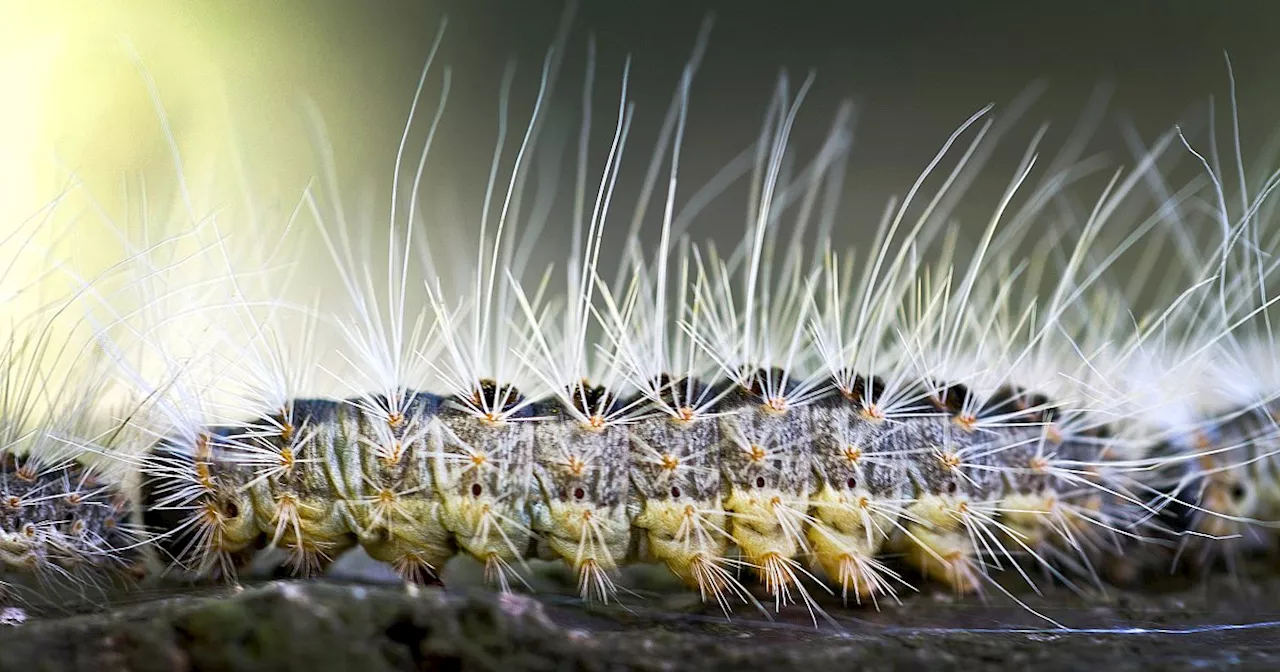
1028	496
766	468
1026	452
582	468
676	480
297	490
944	530
1095	507
482	457
382	462
859	493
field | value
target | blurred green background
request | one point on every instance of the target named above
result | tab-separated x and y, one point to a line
235	76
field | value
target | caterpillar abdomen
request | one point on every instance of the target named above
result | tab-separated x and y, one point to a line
827	484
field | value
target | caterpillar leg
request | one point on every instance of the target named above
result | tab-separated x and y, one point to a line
412	541
947	557
413	563
590	540
1027	516
691	540
20	550
769	533
845	542
313	542
937	544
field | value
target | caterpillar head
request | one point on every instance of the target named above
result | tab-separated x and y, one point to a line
852	485
196	500
1214	491
1233	493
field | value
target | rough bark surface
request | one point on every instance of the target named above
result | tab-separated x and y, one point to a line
318	626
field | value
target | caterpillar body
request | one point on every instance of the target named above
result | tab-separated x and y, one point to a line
756	413
413	492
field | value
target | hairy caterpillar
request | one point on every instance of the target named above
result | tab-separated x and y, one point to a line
772	411
66	522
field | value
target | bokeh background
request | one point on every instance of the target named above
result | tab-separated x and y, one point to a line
238	78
